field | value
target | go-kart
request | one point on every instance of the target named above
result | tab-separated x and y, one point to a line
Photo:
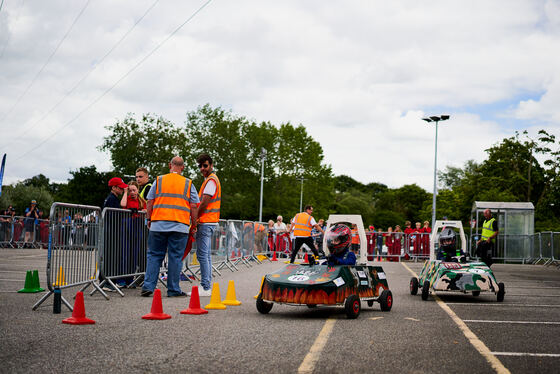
459	275
342	285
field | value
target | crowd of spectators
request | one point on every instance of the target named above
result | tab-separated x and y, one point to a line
29	229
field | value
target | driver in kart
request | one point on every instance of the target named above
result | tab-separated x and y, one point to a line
448	250
338	239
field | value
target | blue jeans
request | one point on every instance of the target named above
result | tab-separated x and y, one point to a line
174	244
204	255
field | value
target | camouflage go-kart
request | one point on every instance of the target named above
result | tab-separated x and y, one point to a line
455	276
303	284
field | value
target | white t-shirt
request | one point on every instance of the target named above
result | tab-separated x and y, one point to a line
210	188
280	227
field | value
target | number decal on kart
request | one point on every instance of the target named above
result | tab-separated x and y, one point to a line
298	278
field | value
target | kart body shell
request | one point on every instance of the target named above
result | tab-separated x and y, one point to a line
312	285
466	276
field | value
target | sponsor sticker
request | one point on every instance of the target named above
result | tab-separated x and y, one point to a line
364	283
477	271
361	274
298	278
381	275
339	281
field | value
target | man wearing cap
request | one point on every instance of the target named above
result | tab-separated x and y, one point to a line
172	207
31	217
117	189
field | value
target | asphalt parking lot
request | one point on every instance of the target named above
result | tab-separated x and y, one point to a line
450	333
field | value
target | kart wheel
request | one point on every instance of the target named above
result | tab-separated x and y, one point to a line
352	306
476	293
425	290
501	292
413	286
311	306
386	300
370	303
263	307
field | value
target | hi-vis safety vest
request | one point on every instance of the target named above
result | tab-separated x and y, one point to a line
487	230
212	212
302	224
259	227
172	199
355	236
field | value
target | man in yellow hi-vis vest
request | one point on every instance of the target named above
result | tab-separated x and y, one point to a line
171	210
485	245
301	226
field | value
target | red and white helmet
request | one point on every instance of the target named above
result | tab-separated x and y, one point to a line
338	238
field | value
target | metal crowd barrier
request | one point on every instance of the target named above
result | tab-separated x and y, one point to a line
72	248
123	247
6	230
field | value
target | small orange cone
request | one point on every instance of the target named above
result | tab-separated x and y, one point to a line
215	299
231	299
79	312
157	308
274	257
260	288
194	304
305	259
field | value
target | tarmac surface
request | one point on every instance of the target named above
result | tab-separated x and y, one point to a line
449	333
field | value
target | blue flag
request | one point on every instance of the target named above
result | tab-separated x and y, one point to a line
2	172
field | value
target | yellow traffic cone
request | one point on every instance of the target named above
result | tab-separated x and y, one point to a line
260	288
215	298
230	295
60	280
194	260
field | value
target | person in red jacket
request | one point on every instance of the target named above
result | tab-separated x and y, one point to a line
417	238
389	243
426	230
407	238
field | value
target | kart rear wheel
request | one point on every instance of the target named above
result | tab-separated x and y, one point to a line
263	307
352	306
425	290
386	300
501	292
370	303
476	293
413	286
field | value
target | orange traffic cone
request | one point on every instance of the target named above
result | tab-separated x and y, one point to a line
305	259
79	312
194	304
215	298
274	257
231	299
157	308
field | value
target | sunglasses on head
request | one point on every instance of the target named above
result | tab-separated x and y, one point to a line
203	166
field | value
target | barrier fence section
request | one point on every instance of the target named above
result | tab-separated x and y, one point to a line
72	248
123	247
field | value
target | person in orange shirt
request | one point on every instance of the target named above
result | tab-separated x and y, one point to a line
301	228
355	239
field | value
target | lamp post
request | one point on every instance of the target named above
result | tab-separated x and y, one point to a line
301	194
263	157
436	119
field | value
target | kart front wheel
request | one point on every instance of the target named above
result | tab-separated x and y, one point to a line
352	306
501	292
386	300
425	290
413	286
263	307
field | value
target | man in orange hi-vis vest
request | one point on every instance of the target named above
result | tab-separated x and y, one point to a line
301	226
210	196
172	207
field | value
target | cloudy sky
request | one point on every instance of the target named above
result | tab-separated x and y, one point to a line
359	75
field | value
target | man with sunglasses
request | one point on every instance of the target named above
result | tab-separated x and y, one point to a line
210	195
143	180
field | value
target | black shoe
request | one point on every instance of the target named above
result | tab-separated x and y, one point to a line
146	293
182	294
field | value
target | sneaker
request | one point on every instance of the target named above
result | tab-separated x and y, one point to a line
109	289
182	294
146	293
204	293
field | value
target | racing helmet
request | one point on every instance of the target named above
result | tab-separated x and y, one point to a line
447	240
338	238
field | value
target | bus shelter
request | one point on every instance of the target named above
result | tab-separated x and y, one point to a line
516	222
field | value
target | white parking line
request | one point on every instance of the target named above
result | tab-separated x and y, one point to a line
526	354
531	295
508	305
310	360
478	344
513	322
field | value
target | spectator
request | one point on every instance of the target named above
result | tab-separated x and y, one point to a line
6	219
301	228
117	189
169	218
31	219
379	242
210	196
318	236
417	238
271	236
426	230
397	238
389	243
355	239
279	226
260	233
143	180
407	238
132	200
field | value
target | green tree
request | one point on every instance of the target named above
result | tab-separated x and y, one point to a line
87	187
20	196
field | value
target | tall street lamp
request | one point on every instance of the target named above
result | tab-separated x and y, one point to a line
263	157
301	194
436	119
